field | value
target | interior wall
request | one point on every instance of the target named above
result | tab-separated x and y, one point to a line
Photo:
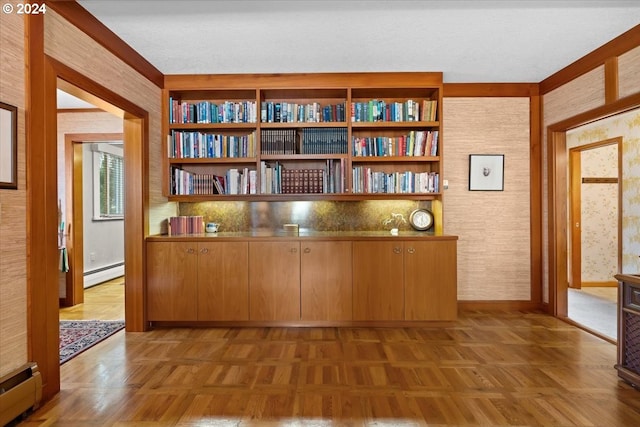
494	246
69	45
13	205
626	125
103	239
628	69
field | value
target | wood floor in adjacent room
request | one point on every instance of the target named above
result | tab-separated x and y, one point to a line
516	369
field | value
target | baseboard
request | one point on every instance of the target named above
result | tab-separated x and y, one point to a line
95	277
499	305
607	284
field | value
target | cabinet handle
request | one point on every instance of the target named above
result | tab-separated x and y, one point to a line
204	250
411	250
397	250
307	250
191	251
293	250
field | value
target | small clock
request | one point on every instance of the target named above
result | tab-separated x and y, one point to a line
421	219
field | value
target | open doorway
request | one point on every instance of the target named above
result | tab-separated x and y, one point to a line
595	228
91	224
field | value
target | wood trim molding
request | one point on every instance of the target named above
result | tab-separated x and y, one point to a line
611	80
536	183
90	25
79	110
479	90
42	209
614	48
499	306
619	106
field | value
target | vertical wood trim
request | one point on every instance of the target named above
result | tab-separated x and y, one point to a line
136	225
575	195
42	204
536	184
611	80
558	222
620	195
73	199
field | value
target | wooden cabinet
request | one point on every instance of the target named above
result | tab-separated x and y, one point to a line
197	281
223	281
378	280
628	364
325	281
430	282
274	280
172	277
405	280
301	281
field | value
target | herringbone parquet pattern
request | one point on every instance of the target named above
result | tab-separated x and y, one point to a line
486	369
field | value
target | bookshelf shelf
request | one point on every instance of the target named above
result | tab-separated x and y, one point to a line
290	120
394	125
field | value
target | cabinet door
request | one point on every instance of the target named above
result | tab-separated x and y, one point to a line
223	281
172	280
274	280
378	291
431	290
325	281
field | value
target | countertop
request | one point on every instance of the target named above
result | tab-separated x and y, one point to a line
304	235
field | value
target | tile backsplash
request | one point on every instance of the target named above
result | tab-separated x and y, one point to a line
313	215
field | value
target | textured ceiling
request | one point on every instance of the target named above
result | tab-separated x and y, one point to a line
469	41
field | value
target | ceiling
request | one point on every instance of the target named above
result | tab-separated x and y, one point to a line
469	41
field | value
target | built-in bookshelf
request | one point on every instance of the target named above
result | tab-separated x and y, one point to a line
338	136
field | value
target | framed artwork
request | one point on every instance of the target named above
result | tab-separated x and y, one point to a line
486	172
8	146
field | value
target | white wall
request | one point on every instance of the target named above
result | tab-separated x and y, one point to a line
103	239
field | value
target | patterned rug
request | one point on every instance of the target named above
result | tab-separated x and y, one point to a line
78	335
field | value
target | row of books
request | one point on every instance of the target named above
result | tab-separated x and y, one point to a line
234	181
198	145
415	143
382	111
291	112
210	112
324	141
186	225
275	179
366	180
278	141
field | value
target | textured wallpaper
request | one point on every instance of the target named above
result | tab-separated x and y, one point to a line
627	126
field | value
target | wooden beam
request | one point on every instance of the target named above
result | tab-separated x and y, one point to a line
614	48
90	25
611	80
595	180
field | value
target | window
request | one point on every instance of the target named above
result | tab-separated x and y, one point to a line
108	183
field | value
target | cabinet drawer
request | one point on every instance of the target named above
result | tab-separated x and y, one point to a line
631	296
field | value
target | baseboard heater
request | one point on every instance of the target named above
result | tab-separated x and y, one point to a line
20	391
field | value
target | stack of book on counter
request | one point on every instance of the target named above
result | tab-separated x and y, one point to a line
186	225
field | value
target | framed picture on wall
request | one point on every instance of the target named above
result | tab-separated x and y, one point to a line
486	172
8	146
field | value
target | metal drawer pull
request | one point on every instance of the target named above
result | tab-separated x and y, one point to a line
397	250
307	250
204	250
411	250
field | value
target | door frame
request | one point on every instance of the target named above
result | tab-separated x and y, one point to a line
74	198
557	197
575	205
43	75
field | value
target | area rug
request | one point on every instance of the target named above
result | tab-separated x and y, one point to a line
78	335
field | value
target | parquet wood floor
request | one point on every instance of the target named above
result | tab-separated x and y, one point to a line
486	369
101	302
